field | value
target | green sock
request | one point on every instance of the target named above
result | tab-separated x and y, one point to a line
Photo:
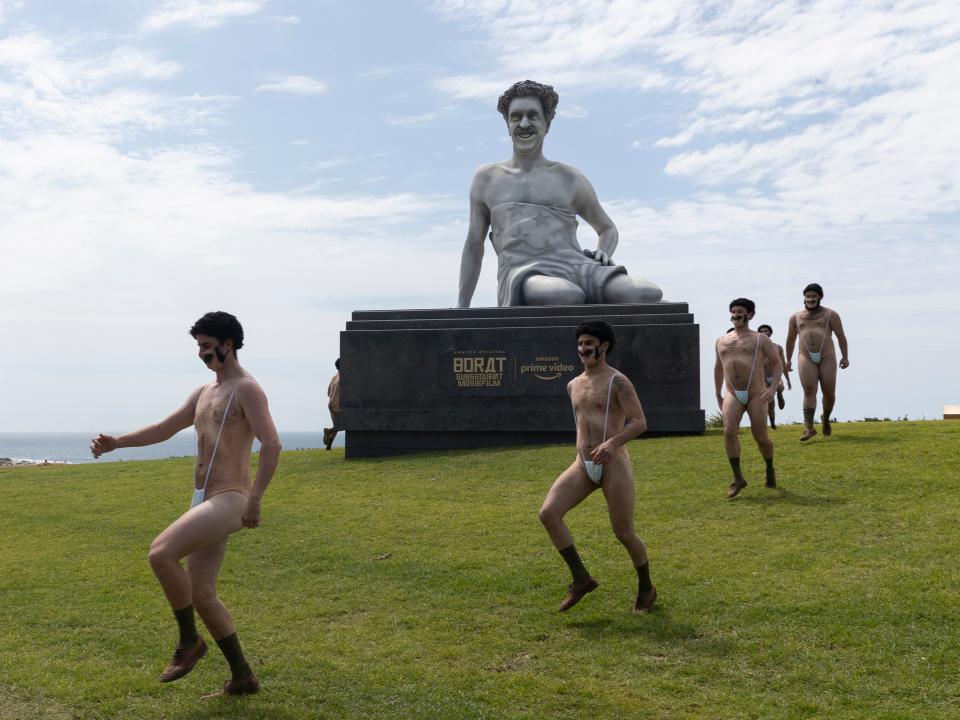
643	576
579	572
187	626
808	414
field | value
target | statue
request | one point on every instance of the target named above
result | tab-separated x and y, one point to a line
531	203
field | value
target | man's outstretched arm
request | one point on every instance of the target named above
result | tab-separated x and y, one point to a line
181	419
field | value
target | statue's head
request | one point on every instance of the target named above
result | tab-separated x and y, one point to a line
528	88
528	107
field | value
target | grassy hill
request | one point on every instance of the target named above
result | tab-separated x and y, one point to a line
426	588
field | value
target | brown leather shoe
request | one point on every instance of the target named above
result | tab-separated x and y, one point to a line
247	685
771	481
576	592
645	602
183	661
807	434
825	421
735	487
328	435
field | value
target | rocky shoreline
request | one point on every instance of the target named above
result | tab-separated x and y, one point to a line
8	462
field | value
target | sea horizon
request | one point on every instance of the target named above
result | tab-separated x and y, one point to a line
74	447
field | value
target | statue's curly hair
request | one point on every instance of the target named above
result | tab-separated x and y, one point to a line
528	88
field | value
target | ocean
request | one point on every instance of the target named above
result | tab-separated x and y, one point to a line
75	447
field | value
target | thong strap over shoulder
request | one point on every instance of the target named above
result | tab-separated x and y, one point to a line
595	470
744	395
198	493
816	357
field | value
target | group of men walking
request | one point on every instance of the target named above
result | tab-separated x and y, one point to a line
749	364
231	411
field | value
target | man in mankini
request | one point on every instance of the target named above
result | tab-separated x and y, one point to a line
531	204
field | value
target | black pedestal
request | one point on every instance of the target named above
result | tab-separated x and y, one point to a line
417	380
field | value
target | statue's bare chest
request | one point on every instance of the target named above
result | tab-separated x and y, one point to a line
542	186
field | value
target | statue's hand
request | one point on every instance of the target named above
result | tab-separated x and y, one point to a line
600	256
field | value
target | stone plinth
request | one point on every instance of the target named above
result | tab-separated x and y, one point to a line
418	380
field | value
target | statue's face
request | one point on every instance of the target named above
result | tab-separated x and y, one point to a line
526	124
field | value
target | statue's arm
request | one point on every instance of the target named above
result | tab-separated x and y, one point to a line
472	257
589	208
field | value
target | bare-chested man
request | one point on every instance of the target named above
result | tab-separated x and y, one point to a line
740	357
333	404
816	357
771	410
227	414
532	204
608	415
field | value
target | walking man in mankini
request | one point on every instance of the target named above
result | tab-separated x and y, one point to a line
771	380
814	325
227	414
740	360
608	414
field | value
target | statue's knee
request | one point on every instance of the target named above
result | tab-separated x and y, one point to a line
625	289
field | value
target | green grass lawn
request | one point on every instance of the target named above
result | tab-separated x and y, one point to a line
426	587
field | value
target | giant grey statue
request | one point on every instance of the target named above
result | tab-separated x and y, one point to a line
531	203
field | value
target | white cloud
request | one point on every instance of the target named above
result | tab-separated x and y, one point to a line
843	110
411	120
286	19
294	84
7	6
199	13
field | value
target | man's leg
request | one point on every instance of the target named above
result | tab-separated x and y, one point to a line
568	491
732	413
208	524
543	290
772	414
622	288
809	378
758	426
203	567
620	493
828	385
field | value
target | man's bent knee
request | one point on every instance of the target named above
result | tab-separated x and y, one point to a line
158	556
625	535
548	516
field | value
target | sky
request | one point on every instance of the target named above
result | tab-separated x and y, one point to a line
291	162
